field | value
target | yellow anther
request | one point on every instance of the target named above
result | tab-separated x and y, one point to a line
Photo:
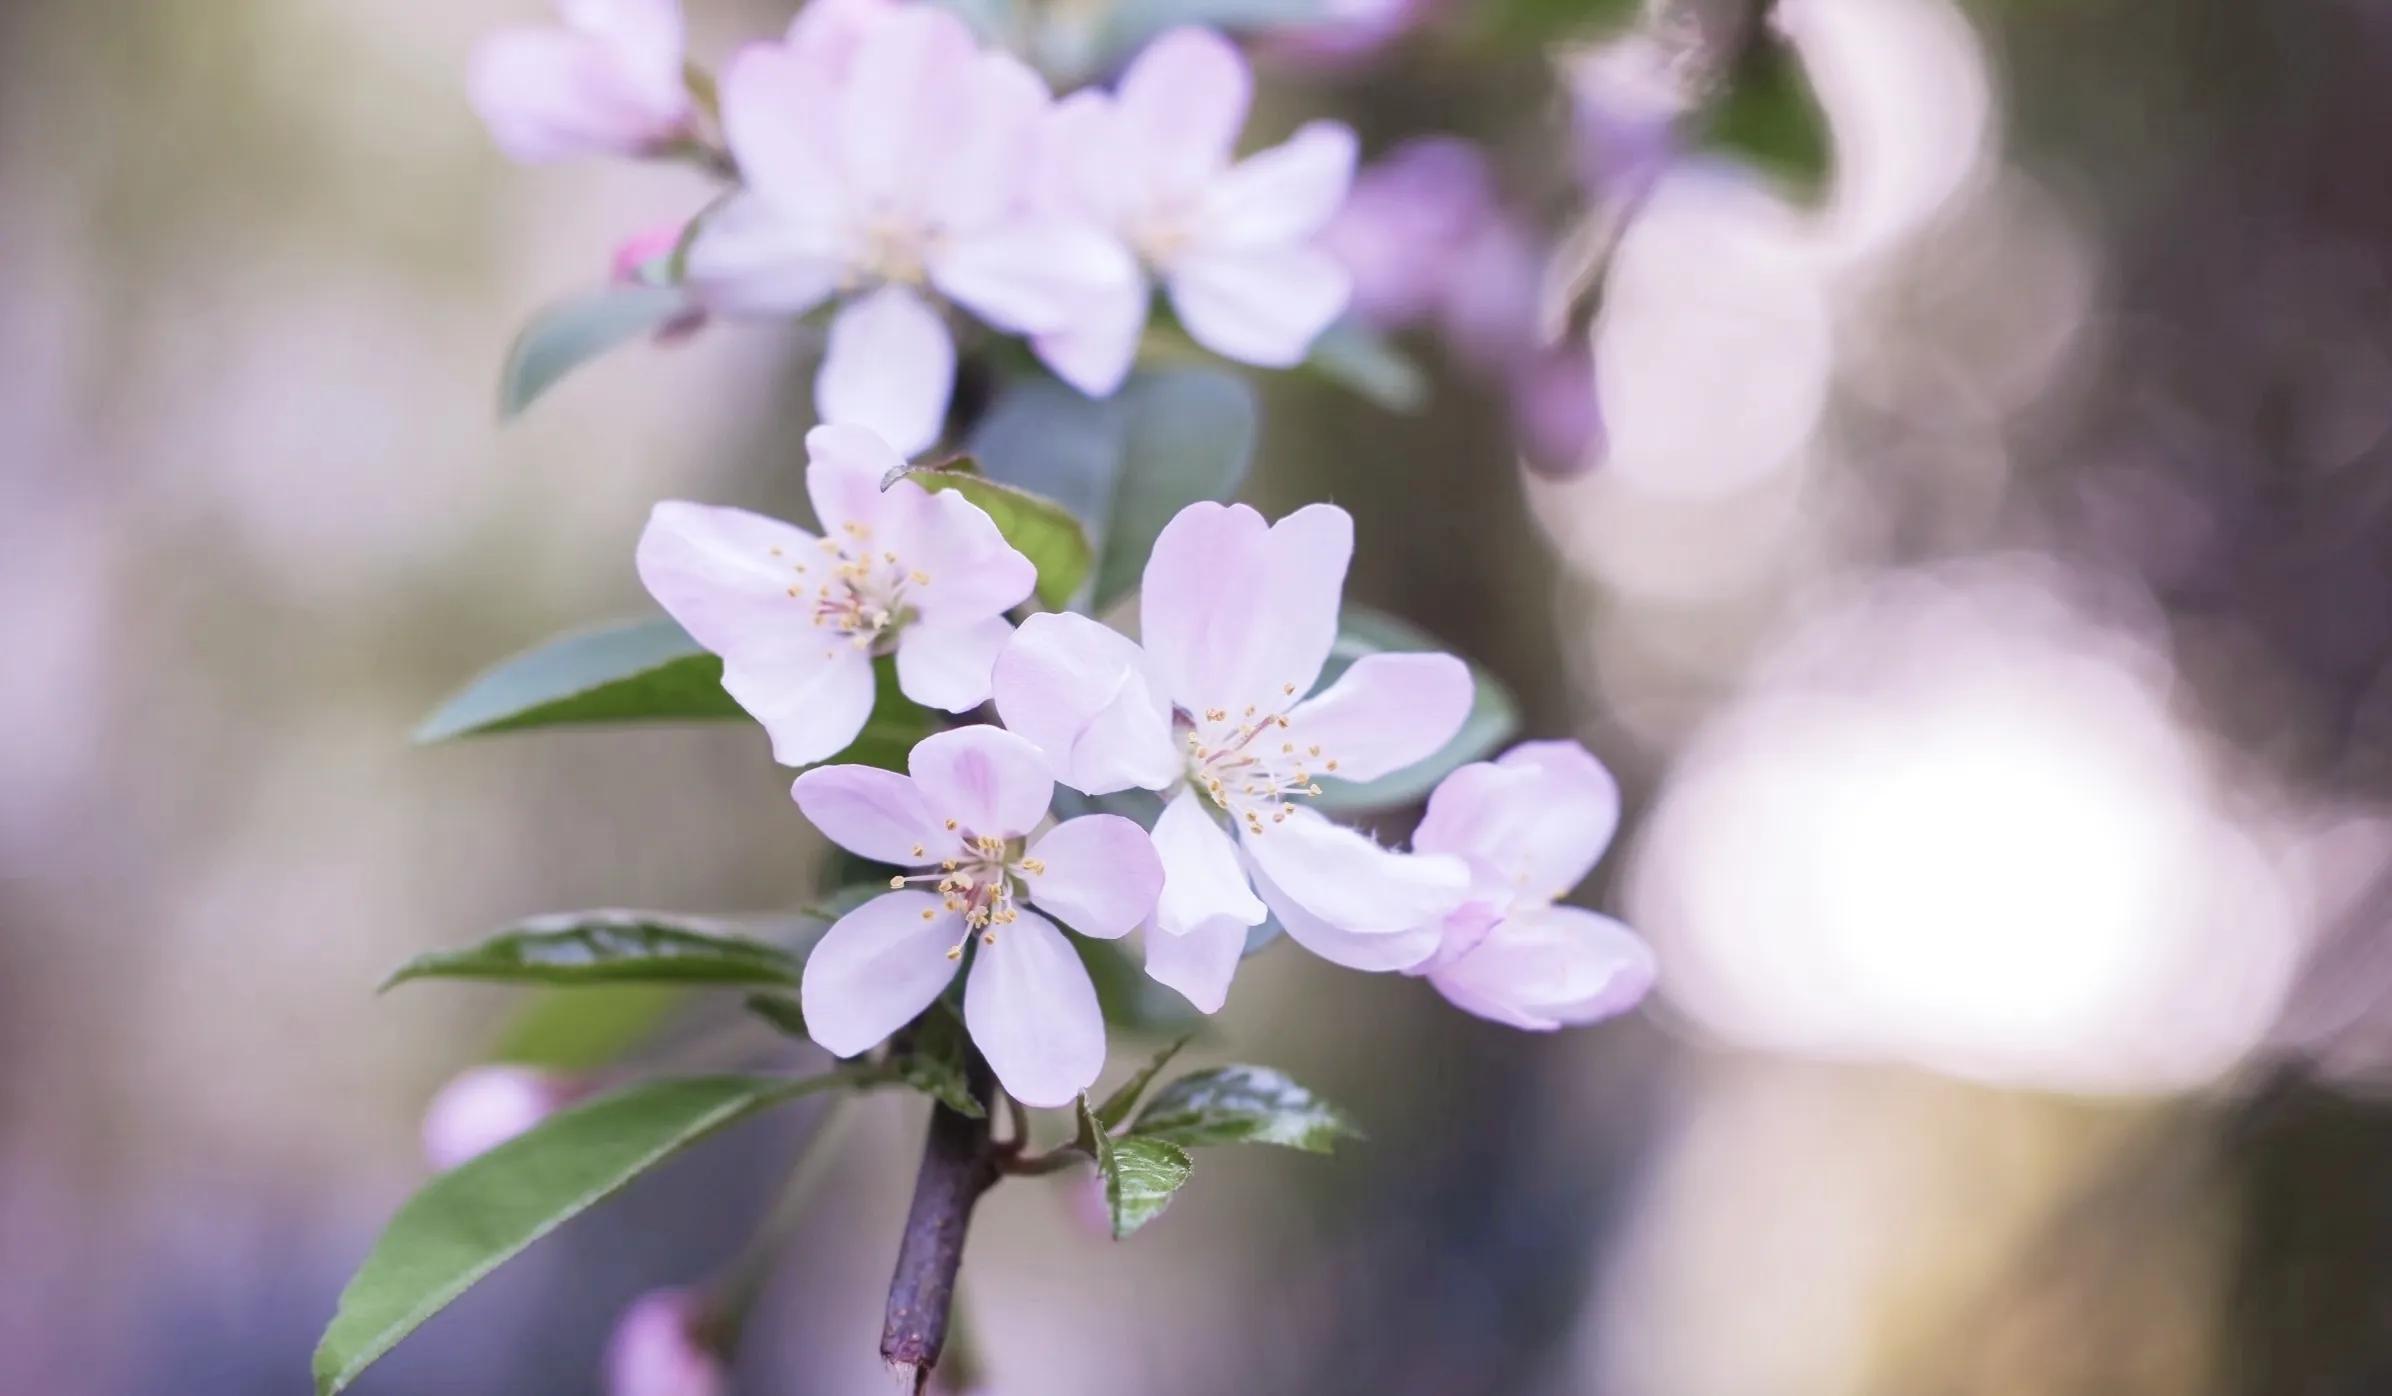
918	578
929	914
950	825
793	596
776	552
1332	763
1313	751
896	882
917	850
1287	688
1216	715
1034	866
954	952
1287	748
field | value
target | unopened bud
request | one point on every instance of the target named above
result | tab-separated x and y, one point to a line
485	1106
655	1350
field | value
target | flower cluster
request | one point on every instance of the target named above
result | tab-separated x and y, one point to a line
1218	707
892	167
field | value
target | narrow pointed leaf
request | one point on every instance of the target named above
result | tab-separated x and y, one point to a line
1124	1099
468	1221
570	333
1141	1175
786	1014
1494	717
1242	1105
610	947
1039	528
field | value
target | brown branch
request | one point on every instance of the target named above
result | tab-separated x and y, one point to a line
959	1162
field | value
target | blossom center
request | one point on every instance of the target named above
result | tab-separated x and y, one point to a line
856	592
894	248
979	884
1253	766
1161	234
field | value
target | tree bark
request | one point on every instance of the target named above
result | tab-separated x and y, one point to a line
959	1162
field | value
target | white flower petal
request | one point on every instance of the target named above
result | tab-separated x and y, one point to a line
1101	874
991	782
873	814
889	365
1202	878
1370	951
812	696
1033	1013
947	666
1284	194
1237	613
1539	817
750	257
1037	275
1384	713
1262	305
1184	100
1081	692
907	97
1548	968
1199	962
964	569
1351	883
876	968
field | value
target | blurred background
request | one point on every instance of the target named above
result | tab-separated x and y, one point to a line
1983	585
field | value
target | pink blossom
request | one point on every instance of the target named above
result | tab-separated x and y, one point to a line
798	618
1238	620
483	1107
1232	243
885	157
965	814
655	1350
1349	32
608	82
1531	825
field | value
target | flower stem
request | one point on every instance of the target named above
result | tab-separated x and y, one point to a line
959	1163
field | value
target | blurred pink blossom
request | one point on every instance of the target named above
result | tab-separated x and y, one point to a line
483	1107
641	260
885	155
1531	826
965	811
1238	619
1235	244
655	1350
1350	32
608	82
798	619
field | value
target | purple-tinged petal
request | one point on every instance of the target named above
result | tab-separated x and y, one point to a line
655	1350
989	781
483	1107
1083	694
889	365
1085	164
1549	968
826	33
1183	101
1370	951
1339	876
845	464
986	161
1199	962
1033	1012
947	666
1101	874
1035	275
876	968
1261	306
751	257
777	123
1386	712
646	37
1202	878
874	814
1539	817
812	695
1097	342
963	568
1237	613
549	94
904	104
1284	194
725	574
1402	222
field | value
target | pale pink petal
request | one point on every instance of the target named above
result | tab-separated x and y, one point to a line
725	574
907	97
876	968
1384	713
1101	874
986	161
1284	194
963	569
947	666
1202	878
1260	306
1184	100
1085	163
1038	275
1199	962
888	365
549	94
1369	951
1549	968
1344	879
826	33
654	1350
1033	1013
845	464
1237	613
1401	224
989	781
873	814
1097	343
750	257
1082	693
645	35
484	1107
812	694
1539	817
777	122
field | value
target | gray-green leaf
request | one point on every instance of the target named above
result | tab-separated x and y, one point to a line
1242	1105
468	1221
1140	1174
570	333
1124	1099
610	947
1360	360
1494	717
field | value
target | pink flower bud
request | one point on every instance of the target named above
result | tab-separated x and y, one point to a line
607	81
485	1106
655	1350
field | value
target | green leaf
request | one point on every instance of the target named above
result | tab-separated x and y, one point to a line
1360	360
609	947
1242	1105
584	1029
933	1063
1127	464
1140	1174
1768	116
784	1013
1040	529
1124	1099
1494	716
468	1221
573	331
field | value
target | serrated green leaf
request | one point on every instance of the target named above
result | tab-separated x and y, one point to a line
1242	1105
933	1063
471	1219
785	1014
1494	716
1124	1099
1038	528
610	947
1360	360
570	333
1140	1174
576	1030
